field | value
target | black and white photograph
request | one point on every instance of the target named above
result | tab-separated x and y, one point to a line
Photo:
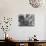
27	20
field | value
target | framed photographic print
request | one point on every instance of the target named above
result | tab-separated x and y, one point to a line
27	20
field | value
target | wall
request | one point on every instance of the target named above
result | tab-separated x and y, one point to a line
45	28
12	8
